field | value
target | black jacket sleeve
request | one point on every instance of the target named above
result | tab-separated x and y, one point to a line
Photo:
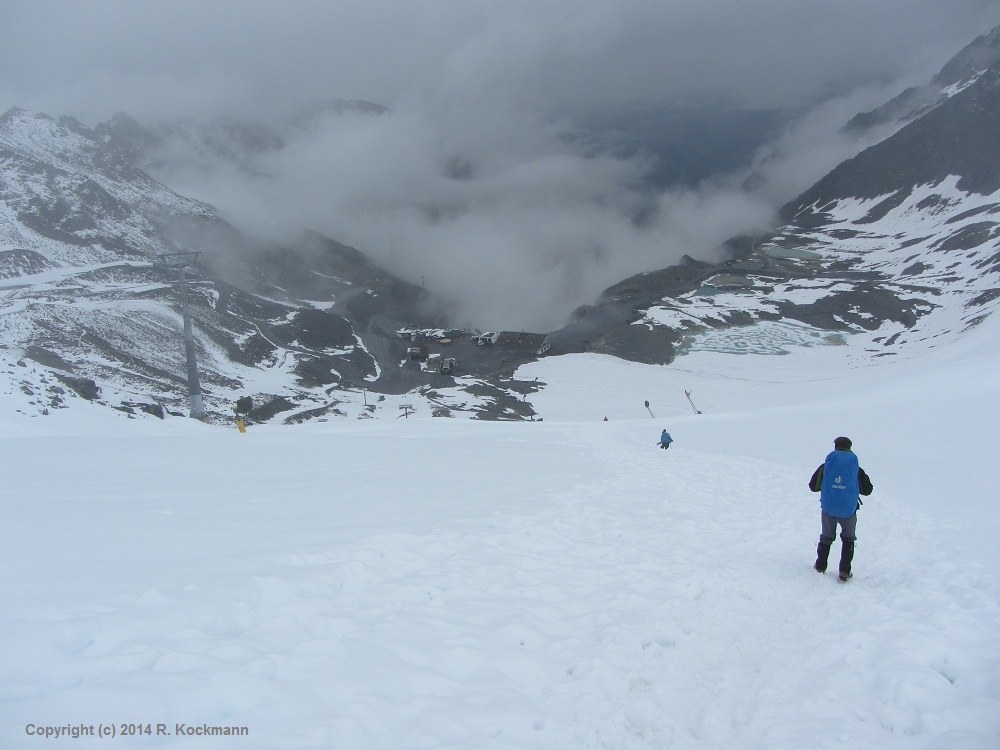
816	480
864	483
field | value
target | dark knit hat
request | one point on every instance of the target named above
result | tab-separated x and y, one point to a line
842	444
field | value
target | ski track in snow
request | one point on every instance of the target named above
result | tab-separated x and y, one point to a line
598	594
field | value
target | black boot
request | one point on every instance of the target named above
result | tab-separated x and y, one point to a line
822	554
846	556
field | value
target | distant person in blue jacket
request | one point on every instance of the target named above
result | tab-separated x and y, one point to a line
665	440
840	482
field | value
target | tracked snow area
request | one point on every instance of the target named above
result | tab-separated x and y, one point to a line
439	583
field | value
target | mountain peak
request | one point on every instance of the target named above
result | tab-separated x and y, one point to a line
17	118
960	71
975	58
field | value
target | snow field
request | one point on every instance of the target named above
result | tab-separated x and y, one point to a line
454	584
437	583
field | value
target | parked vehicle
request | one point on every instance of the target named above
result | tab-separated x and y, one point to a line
437	363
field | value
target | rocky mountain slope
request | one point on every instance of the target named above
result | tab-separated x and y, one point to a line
897	248
962	70
88	310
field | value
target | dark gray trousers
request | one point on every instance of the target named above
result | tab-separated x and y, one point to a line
848	528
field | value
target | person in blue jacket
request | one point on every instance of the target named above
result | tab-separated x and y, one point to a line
840	482
665	440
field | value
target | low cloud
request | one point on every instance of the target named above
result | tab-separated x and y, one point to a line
483	181
516	227
517	220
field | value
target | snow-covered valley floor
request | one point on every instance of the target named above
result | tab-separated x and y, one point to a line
446	583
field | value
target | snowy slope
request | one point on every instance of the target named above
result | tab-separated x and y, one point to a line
71	196
435	583
84	301
919	275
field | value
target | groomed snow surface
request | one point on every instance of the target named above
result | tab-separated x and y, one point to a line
448	583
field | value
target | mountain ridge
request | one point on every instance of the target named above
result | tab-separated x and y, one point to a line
894	248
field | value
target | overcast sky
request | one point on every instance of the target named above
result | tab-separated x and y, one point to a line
500	83
99	56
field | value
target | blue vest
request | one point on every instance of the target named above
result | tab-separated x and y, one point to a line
840	484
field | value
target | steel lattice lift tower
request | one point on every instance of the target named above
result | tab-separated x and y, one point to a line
180	262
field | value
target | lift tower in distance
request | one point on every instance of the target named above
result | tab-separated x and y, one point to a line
179	262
